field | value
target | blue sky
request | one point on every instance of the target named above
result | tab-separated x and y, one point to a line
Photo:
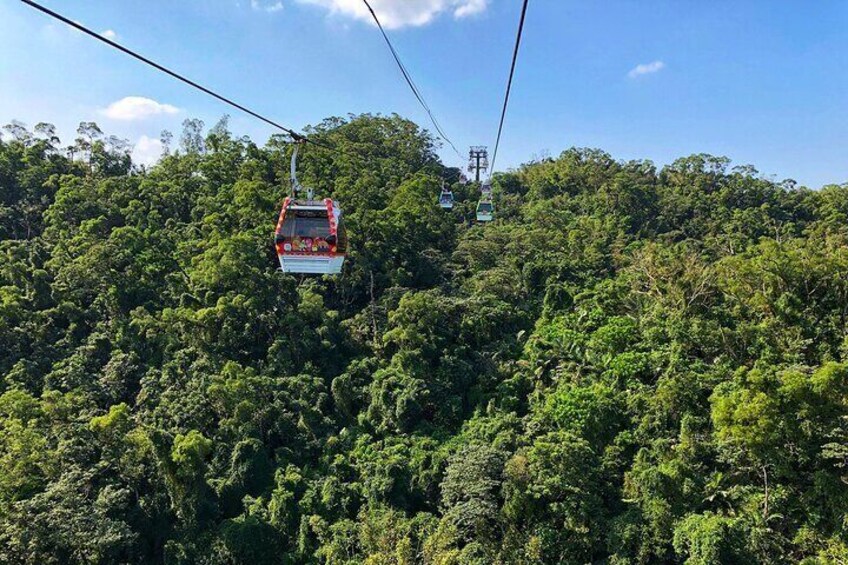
764	83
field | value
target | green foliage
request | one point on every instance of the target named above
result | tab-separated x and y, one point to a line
708	538
629	365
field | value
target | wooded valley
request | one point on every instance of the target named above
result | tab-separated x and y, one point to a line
630	364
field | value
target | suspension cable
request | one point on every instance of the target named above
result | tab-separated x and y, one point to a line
509	84
409	80
295	136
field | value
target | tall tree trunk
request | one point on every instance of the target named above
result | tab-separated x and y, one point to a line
766	493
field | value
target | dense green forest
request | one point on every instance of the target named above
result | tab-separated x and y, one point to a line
629	365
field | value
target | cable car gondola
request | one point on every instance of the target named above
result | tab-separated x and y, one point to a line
310	236
446	198
485	210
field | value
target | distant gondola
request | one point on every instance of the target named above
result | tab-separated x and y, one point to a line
485	210
446	198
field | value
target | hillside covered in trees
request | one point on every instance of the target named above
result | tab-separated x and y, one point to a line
629	365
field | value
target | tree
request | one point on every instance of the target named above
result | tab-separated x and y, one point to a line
191	139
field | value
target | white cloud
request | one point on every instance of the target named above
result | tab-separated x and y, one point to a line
266	7
646	69
395	14
470	8
59	32
137	108
147	150
56	34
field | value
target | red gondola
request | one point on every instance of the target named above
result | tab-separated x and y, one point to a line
310	237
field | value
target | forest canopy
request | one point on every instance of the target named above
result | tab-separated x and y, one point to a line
631	364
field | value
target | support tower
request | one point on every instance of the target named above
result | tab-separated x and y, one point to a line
478	160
